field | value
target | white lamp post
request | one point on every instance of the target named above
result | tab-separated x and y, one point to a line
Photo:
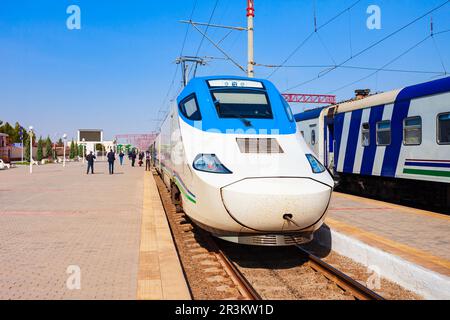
84	150
31	149
64	156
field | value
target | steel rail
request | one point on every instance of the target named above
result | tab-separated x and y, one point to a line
244	286
246	289
350	285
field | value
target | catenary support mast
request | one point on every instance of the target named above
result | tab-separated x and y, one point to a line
250	31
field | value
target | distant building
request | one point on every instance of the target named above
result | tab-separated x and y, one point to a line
92	138
5	148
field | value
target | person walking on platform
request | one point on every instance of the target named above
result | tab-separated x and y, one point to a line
147	161
121	155
90	162
111	158
133	158
141	158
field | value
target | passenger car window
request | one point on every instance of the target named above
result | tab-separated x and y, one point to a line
365	134
412	131
189	108
443	128
384	133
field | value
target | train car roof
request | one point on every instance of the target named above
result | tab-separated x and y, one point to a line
410	92
308	114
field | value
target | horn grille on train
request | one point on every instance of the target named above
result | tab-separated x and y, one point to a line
259	145
276	240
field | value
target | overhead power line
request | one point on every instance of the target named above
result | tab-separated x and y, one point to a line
389	63
302	43
207	27
161	110
325	72
350	67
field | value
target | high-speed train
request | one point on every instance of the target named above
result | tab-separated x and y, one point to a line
232	157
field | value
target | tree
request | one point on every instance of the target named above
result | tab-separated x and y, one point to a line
6	128
76	150
80	150
60	143
15	138
27	147
40	150
48	148
72	150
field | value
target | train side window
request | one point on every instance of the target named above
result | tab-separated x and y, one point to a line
384	133
189	108
443	128
365	134
412	131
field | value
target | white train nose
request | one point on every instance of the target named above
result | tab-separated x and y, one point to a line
263	204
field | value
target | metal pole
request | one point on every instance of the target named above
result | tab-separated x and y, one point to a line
31	149
64	154
250	32
84	147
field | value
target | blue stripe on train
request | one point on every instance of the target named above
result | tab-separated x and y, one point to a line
428	164
376	114
400	112
338	127
352	142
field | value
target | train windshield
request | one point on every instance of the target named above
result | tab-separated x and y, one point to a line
242	104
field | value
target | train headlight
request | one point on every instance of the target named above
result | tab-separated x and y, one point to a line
316	166
209	163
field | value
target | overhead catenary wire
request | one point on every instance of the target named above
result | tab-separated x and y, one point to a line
161	110
325	72
436	46
352	67
207	27
388	63
304	41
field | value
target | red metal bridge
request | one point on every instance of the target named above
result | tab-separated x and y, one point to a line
310	98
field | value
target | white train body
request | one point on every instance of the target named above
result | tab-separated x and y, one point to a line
265	192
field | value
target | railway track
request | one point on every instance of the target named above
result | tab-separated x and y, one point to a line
345	282
215	269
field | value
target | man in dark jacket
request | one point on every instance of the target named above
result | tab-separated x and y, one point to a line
90	161
111	158
133	158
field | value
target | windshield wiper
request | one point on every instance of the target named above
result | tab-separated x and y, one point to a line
244	120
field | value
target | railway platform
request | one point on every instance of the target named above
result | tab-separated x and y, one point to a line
68	235
408	246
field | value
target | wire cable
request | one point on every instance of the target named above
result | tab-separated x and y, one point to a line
384	66
325	72
310	36
207	27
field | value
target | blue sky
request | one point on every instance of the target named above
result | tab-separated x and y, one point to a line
115	72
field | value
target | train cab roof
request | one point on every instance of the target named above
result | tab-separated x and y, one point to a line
228	103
